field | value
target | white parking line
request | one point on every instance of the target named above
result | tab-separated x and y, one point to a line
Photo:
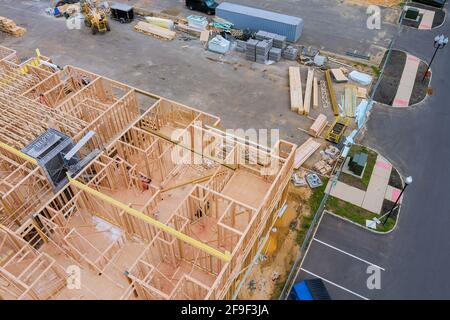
335	284
349	254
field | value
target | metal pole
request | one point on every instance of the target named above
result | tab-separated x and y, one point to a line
395	204
429	66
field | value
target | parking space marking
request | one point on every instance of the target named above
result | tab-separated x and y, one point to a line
335	284
349	254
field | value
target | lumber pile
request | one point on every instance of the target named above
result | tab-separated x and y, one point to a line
315	93
350	100
10	27
154	31
295	85
333	101
305	151
318	126
308	92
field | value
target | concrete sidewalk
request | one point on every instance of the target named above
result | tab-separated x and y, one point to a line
427	19
377	191
407	80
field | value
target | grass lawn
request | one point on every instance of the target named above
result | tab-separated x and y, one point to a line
355	213
364	181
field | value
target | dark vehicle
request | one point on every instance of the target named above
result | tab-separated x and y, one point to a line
122	12
206	6
311	289
433	3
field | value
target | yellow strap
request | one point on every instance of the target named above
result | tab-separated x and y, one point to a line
18	153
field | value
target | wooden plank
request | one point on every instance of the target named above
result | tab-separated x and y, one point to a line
318	126
315	93
350	100
338	75
305	151
155	31
308	91
295	85
333	101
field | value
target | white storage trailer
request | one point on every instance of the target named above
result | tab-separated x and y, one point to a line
255	19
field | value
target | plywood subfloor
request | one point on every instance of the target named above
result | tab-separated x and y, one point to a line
247	188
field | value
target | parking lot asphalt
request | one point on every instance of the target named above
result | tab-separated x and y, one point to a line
343	256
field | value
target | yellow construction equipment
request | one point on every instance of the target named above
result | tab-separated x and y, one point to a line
95	17
337	129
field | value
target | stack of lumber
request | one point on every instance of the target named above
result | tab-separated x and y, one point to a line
9	26
350	100
295	85
305	151
308	92
315	93
155	31
332	96
318	126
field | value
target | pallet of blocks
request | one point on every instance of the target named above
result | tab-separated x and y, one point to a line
155	31
295	85
10	27
305	151
319	125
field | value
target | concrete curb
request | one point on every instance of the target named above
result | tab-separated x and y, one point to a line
399	207
414	104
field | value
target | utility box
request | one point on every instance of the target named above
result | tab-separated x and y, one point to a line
122	12
357	163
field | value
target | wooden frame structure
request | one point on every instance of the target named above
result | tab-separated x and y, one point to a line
171	208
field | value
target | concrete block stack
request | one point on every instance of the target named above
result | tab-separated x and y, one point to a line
240	46
250	49
275	54
279	41
262	50
290	53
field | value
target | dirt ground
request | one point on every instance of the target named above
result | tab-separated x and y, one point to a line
280	262
384	3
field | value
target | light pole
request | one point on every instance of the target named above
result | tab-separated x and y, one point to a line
439	43
408	181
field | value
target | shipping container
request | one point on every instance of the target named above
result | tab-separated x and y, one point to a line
255	19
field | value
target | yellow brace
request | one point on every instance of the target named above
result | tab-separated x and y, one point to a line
195	243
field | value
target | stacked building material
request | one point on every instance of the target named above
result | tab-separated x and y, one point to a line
262	50
275	54
290	53
9	26
279	41
240	46
250	49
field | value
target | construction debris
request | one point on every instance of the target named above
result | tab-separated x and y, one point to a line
10	27
298	180
155	31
